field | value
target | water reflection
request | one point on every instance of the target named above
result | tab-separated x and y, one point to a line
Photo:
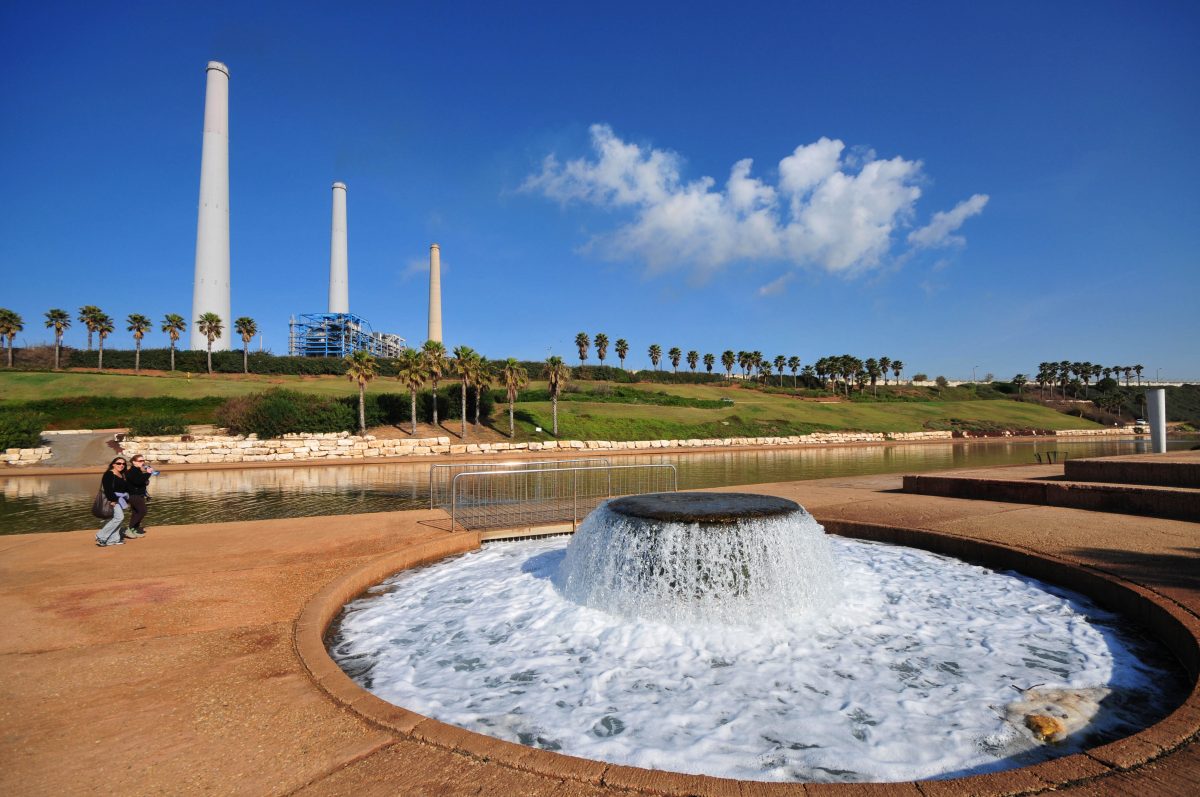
57	503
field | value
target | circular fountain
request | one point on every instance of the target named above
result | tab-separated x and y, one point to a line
726	634
733	558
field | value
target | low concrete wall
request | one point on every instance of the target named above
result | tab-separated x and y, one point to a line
1175	504
1163	474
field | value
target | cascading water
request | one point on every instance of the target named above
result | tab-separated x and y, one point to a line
728	635
682	558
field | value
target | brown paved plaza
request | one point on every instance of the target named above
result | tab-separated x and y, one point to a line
190	661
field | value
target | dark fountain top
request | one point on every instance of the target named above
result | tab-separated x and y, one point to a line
702	507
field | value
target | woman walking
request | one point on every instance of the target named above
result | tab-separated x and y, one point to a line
115	490
137	476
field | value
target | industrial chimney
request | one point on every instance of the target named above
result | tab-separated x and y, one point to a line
435	293
210	292
339	269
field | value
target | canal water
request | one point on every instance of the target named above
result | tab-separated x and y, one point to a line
62	503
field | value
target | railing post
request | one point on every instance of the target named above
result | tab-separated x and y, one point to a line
453	500
574	499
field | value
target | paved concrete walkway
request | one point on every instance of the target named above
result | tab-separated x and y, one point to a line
167	665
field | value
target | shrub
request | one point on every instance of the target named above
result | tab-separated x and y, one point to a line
921	378
277	412
21	429
153	425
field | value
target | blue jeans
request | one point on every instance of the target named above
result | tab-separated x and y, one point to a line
111	531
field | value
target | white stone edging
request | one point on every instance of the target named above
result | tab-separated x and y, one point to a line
21	457
342	445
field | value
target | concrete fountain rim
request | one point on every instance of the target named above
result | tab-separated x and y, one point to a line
1166	621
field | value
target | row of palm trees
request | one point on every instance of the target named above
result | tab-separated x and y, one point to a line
1065	372
823	371
99	324
432	363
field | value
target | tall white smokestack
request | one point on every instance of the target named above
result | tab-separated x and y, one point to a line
435	293
339	268
210	293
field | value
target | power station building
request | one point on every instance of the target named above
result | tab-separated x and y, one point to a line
338	332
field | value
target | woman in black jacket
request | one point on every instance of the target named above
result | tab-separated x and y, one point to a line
115	488
137	476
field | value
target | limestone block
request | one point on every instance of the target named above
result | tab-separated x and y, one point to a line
521	446
473	448
535	446
440	449
345	442
371	452
421	451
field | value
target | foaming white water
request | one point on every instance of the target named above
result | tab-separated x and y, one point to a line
749	572
910	674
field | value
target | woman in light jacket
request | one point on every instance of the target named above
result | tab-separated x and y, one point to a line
115	488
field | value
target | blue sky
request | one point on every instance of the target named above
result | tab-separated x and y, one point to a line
954	185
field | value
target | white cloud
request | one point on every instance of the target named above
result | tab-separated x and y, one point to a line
829	209
776	286
940	231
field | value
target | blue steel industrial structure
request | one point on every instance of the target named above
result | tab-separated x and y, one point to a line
337	335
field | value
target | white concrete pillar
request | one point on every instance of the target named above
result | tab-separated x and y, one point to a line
1156	411
339	266
210	292
435	293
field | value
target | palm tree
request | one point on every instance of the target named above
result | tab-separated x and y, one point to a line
483	381
515	377
87	316
436	366
246	327
582	341
1020	380
1064	376
675	353
728	359
59	320
211	326
601	346
743	362
764	370
10	324
897	367
173	325
693	358
622	350
104	328
361	367
655	354
809	373
464	363
557	373
138	325
709	361
1137	369
412	371
780	364
793	363
1128	371
872	366
885	363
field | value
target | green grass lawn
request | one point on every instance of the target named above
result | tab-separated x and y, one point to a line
751	413
31	386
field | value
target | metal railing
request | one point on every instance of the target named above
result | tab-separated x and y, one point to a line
440	476
516	499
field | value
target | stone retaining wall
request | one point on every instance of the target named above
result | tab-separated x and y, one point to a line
236	448
26	456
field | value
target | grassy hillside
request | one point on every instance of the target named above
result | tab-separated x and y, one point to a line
720	412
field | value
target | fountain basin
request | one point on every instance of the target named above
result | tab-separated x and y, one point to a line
539	668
